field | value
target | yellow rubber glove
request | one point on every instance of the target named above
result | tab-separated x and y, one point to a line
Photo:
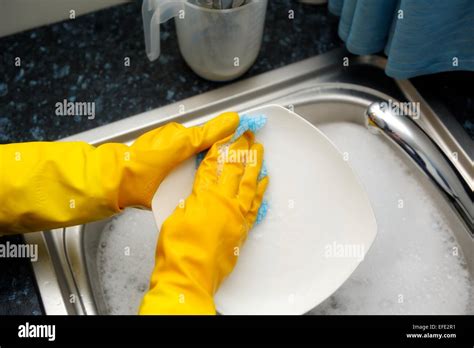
46	185
198	243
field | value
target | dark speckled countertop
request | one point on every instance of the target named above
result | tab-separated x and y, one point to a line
82	60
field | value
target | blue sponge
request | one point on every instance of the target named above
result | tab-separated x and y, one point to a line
249	123
263	171
262	212
253	124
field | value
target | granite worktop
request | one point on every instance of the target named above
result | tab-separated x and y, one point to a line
83	60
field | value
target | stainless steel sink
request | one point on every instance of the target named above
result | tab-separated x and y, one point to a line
320	89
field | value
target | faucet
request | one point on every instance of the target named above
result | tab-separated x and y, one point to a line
427	155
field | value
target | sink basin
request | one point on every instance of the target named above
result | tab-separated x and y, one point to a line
421	261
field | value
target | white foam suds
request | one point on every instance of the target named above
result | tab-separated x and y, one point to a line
410	268
125	260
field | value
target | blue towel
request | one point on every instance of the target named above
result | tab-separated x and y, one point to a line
418	36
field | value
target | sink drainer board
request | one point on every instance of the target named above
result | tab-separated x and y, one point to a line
421	261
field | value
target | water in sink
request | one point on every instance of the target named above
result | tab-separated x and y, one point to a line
412	268
125	260
415	265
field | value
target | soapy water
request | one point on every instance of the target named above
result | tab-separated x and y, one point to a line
410	268
125	259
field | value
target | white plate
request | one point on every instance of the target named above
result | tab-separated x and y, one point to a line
319	226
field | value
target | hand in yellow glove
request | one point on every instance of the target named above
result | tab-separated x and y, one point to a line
48	185
198	244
